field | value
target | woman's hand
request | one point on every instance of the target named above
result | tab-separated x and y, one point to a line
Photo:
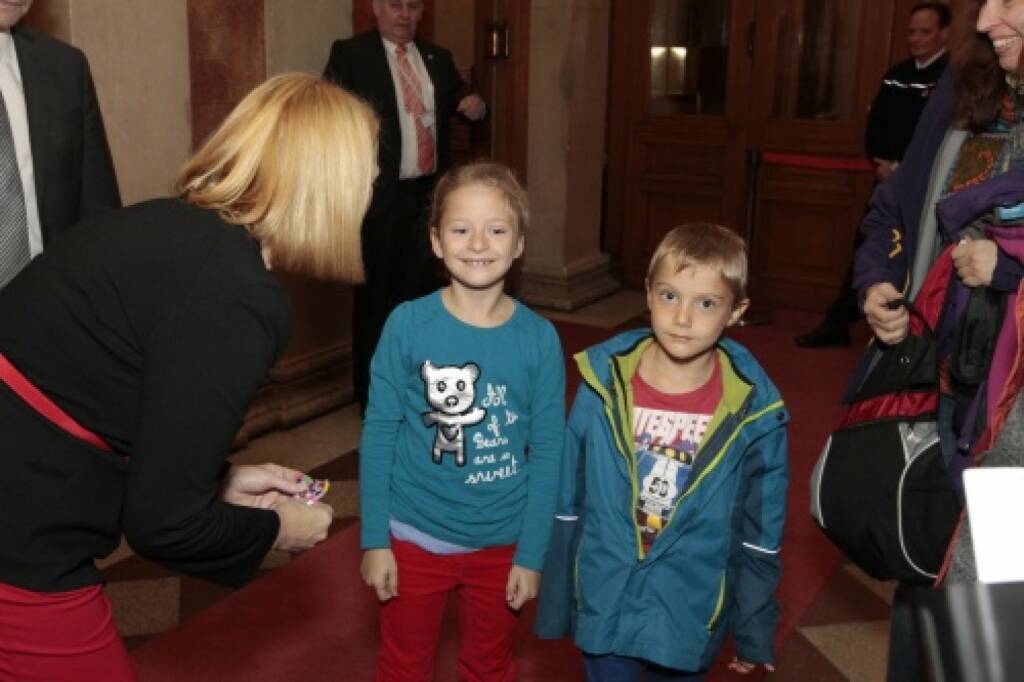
744	668
302	525
523	585
884	168
889	324
261	486
380	571
975	261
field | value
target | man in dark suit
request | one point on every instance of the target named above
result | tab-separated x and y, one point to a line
55	166
415	89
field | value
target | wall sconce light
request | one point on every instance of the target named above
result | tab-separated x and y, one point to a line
497	40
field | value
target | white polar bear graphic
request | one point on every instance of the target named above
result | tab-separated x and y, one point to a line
451	391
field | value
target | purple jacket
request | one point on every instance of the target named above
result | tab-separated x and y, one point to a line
890	226
894	214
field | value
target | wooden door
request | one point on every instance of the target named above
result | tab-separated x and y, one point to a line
680	76
780	161
817	65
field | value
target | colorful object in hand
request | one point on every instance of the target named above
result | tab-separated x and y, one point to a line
315	489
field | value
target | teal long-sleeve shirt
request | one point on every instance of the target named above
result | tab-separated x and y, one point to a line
463	430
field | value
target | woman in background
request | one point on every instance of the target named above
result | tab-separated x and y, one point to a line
128	355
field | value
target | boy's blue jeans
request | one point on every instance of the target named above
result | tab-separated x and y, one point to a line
610	668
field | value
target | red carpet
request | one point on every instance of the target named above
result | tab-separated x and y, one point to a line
313	619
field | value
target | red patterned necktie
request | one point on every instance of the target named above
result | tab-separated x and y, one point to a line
412	97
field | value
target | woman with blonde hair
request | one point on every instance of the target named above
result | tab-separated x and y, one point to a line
128	355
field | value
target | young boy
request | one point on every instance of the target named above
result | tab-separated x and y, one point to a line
669	521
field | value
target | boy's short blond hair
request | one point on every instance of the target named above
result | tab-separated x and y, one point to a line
294	164
707	244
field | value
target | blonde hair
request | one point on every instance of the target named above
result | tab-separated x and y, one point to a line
486	174
707	244
294	164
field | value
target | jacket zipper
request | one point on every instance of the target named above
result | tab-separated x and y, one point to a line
630	457
740	418
723	435
576	577
719	603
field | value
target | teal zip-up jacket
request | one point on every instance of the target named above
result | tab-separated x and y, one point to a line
715	565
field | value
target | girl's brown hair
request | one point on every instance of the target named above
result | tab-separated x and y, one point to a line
486	174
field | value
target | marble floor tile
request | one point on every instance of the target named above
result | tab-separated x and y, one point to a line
884	590
858	650
609	312
143	607
288	449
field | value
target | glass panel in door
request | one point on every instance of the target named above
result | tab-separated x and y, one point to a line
817	56
689	56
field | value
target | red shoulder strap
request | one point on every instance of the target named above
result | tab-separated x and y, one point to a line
35	398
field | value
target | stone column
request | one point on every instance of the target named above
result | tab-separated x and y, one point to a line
314	376
299	37
138	52
564	267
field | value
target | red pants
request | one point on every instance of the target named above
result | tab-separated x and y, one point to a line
410	624
60	637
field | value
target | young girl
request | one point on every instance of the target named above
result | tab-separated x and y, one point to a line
461	442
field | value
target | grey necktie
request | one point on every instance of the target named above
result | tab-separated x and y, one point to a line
14	251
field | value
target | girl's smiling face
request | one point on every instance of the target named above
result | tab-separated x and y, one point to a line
478	238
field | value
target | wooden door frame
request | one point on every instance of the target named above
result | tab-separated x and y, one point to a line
505	83
621	72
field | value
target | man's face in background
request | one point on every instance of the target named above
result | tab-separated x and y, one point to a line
925	34
397	19
11	12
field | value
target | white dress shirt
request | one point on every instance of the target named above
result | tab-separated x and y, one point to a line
410	154
14	100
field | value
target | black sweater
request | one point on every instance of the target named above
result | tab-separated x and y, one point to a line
897	107
153	327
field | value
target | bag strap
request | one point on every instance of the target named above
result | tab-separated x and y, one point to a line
38	401
926	326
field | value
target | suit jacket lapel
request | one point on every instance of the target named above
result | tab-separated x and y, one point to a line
33	77
388	93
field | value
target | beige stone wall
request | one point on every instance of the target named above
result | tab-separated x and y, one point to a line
52	16
314	375
138	52
454	28
564	266
300	33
